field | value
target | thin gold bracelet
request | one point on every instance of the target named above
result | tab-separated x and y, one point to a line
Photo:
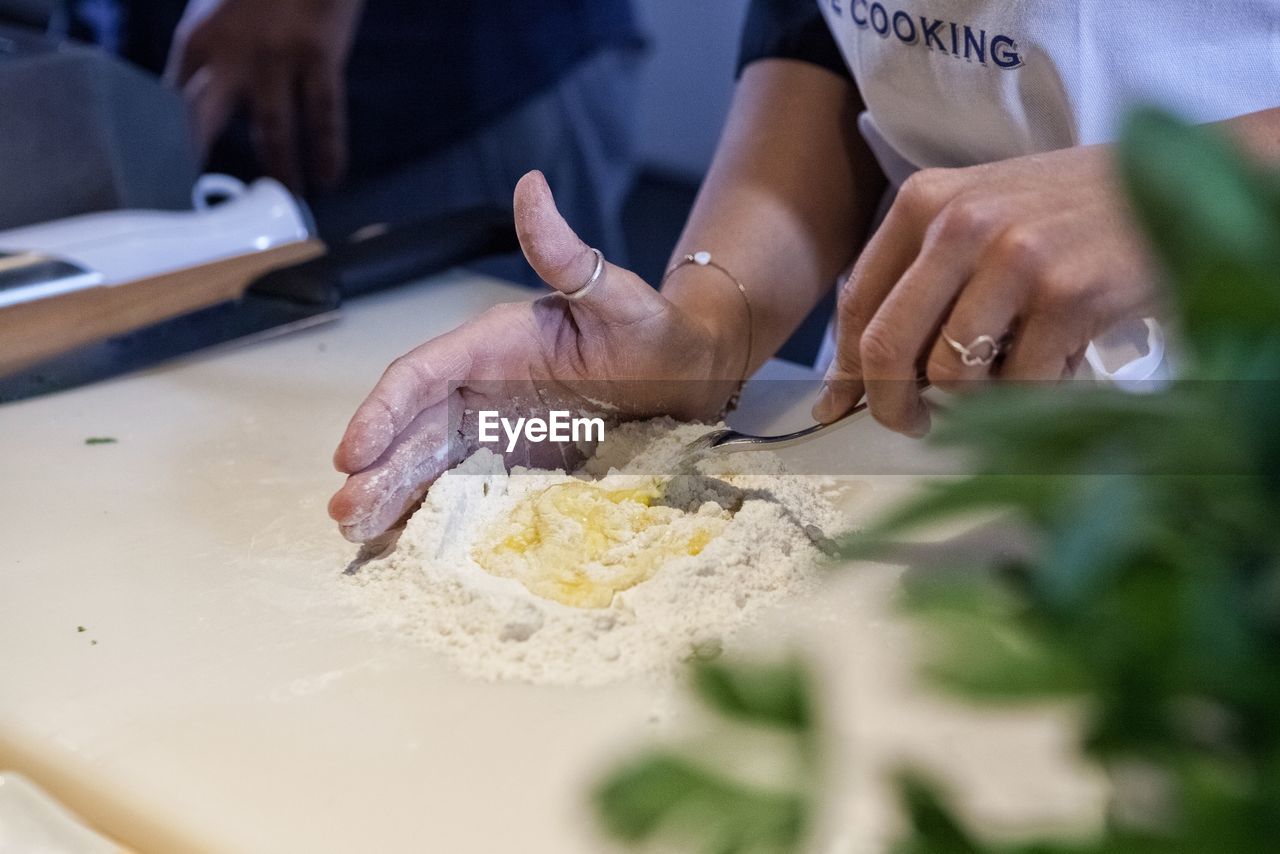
703	259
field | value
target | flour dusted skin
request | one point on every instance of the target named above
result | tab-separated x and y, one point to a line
617	571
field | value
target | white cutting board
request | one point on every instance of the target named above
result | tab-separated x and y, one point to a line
234	702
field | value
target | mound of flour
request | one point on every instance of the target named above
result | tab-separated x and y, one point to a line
432	590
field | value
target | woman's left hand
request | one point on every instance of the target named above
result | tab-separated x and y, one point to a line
1038	254
284	62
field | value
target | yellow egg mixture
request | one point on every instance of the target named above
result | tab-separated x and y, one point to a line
578	543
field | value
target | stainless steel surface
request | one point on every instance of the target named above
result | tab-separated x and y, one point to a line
28	276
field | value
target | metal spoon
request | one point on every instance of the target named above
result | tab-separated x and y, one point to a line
728	440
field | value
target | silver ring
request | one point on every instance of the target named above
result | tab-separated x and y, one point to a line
591	282
968	354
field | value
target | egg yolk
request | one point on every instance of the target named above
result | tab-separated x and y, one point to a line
578	544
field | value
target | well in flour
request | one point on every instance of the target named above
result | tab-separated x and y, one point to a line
604	574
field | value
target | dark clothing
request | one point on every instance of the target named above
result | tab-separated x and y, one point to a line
425	74
423	78
789	29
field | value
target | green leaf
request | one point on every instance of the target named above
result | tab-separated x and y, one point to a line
665	795
1098	526
101	440
1070	430
964	497
770	694
1214	221
934	830
984	647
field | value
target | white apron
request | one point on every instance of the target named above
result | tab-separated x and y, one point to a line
961	82
952	83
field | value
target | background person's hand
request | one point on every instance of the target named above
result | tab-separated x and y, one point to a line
285	61
623	351
1036	252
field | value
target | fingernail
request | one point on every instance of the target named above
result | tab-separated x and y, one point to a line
922	422
827	407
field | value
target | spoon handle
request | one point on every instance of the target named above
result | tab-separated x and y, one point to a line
736	441
733	441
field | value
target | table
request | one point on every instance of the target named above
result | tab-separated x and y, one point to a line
223	695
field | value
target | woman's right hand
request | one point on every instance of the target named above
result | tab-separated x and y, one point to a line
623	352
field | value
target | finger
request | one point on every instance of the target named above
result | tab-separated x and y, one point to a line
886	256
373	500
182	63
416	381
567	264
1073	363
988	305
324	100
842	384
902	331
1042	349
212	98
274	115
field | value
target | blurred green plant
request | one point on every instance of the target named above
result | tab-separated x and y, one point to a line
679	795
1153	595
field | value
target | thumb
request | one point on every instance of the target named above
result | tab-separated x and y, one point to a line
565	263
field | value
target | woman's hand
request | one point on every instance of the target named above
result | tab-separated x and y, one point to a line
624	351
1037	253
285	60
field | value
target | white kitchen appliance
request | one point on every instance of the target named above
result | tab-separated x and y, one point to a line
228	219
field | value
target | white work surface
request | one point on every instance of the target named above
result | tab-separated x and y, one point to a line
234	702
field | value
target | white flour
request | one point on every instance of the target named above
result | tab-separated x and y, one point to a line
761	529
